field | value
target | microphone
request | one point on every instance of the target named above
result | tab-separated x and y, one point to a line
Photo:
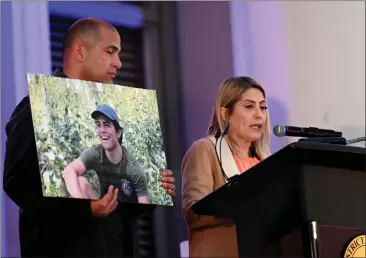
310	132
217	136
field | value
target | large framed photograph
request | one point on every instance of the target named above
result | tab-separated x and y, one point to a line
91	136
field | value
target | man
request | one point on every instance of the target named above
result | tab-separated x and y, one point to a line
66	227
111	161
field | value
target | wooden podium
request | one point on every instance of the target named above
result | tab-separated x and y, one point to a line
306	200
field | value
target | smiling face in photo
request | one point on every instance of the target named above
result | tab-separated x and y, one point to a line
107	132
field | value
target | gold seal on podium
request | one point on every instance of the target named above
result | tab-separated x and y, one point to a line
357	247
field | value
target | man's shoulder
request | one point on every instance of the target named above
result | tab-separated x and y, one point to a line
21	116
24	103
94	151
132	162
97	147
129	156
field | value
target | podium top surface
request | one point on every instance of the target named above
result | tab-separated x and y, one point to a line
330	155
327	147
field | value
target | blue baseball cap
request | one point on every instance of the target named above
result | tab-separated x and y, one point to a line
106	110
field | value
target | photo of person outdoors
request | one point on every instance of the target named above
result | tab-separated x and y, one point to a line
111	161
91	136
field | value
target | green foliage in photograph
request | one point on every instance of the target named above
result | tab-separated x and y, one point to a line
61	110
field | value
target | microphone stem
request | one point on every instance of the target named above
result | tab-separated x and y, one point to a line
220	147
218	134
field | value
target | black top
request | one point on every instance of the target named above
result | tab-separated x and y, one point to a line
50	227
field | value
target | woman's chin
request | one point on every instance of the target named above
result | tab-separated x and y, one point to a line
249	136
253	137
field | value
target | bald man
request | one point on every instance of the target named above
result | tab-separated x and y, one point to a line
51	227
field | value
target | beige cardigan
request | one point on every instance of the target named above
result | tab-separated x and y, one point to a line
201	174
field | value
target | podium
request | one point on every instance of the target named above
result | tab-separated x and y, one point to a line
306	200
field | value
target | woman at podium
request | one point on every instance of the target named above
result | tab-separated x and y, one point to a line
238	138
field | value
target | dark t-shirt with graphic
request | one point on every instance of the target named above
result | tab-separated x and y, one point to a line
127	175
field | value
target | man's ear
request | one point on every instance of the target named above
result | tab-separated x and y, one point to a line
120	132
80	52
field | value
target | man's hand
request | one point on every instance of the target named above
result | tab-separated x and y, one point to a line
168	182
104	206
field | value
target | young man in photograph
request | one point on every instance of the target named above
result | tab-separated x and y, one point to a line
69	227
111	161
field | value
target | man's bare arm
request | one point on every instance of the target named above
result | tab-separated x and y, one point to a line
71	174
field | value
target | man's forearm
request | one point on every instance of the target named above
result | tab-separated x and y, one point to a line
72	183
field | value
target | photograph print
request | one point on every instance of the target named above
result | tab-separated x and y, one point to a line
92	135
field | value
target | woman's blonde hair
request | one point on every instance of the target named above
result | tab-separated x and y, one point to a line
228	95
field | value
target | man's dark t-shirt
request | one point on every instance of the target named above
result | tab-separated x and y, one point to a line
127	175
58	227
